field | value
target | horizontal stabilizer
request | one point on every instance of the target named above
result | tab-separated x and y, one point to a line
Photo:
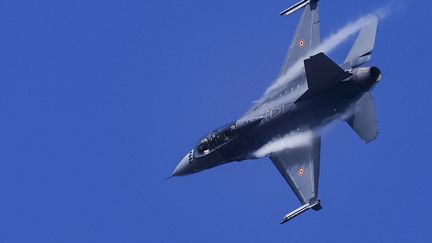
322	72
361	52
363	120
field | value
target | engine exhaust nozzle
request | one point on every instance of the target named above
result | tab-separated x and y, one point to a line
375	73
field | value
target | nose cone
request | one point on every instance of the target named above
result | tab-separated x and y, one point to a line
183	168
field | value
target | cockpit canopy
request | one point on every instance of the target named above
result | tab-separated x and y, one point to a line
216	139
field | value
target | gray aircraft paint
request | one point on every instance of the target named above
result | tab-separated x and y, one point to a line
324	93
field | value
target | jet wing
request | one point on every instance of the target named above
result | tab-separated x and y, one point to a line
306	37
305	40
300	168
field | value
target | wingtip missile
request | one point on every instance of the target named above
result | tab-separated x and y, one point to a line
300	210
295	7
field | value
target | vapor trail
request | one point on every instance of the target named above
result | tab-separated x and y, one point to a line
328	45
289	141
298	139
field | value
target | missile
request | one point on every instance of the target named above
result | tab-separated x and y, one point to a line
295	7
315	206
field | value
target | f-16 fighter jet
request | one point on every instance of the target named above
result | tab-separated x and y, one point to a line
318	93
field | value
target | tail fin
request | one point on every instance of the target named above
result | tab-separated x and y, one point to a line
307	35
361	52
322	72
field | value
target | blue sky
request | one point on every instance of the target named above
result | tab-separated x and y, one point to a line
99	100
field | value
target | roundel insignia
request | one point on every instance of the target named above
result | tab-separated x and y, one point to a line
301	171
301	43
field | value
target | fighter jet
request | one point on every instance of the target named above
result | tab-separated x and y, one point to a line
322	92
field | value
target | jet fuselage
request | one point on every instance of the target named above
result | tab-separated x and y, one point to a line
239	142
